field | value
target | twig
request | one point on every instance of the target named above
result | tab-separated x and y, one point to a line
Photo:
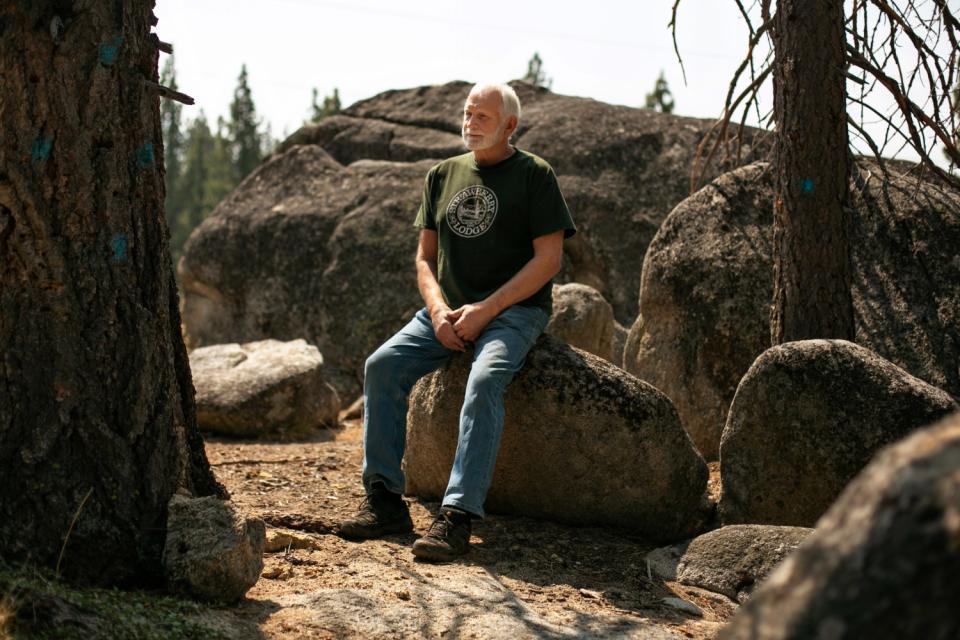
673	30
909	110
76	516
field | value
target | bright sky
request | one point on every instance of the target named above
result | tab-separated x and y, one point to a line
610	50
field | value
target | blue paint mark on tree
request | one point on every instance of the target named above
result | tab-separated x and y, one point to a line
119	246
108	51
807	186
40	150
145	155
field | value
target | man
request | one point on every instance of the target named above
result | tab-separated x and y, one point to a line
492	224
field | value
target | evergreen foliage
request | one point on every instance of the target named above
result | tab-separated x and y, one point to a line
331	105
203	165
173	144
535	74
245	136
661	99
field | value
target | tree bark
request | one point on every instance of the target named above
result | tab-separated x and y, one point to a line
812	269
97	417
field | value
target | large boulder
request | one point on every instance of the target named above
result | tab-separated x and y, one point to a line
308	248
583	442
212	551
882	563
707	286
806	418
583	319
265	388
318	241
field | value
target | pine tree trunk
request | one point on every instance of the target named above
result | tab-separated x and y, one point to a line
97	416
812	270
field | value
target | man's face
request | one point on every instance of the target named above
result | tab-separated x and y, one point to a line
483	123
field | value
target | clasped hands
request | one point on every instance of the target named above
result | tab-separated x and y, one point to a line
454	328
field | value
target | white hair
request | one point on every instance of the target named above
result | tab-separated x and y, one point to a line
510	101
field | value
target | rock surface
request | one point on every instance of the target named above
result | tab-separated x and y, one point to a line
806	418
317	242
733	560
264	388
348	139
212	552
583	442
707	285
883	562
583	319
474	607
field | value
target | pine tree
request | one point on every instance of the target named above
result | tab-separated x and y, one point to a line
535	74
331	105
98	425
221	174
661	99
198	154
173	143
245	137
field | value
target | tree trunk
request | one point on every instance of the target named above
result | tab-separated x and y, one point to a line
812	270
97	416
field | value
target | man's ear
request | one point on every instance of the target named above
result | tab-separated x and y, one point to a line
511	126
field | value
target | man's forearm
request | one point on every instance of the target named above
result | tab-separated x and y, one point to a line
428	284
526	282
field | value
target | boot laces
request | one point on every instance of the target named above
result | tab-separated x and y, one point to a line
440	527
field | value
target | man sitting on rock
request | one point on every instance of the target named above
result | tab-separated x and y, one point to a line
492	224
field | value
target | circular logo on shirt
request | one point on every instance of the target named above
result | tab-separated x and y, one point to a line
471	212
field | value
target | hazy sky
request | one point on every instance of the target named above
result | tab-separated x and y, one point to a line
610	50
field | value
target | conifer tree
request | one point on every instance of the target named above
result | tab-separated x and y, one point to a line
173	143
244	128
98	425
661	99
535	74
193	188
331	105
221	176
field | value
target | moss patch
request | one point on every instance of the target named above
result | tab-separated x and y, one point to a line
35	605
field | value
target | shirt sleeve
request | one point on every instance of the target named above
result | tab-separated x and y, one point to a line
548	209
426	216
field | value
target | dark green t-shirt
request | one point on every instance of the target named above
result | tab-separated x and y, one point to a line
486	218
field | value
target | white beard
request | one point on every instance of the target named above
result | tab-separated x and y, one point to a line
479	143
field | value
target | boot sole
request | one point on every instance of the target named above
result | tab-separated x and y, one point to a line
427	551
403	526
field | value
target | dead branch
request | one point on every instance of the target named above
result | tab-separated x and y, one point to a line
909	109
167	92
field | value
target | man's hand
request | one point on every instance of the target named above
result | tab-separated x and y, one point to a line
443	318
472	320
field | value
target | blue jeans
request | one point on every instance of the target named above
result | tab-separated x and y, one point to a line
413	352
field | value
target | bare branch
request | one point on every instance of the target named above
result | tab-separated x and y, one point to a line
723	124
909	109
869	140
730	105
167	92
673	30
890	124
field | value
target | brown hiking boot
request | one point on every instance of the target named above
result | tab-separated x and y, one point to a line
380	513
447	538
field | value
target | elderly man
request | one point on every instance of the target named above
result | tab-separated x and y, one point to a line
492	224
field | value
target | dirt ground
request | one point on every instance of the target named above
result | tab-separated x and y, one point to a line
524	578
